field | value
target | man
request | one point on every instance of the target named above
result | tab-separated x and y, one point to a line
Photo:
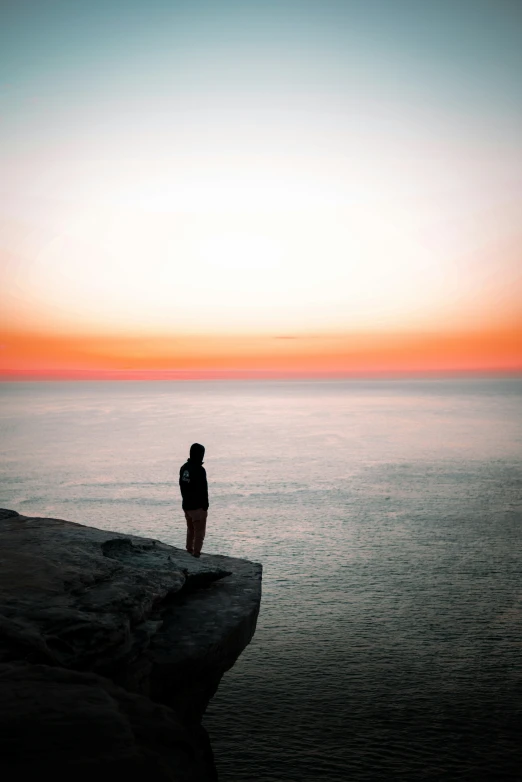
194	491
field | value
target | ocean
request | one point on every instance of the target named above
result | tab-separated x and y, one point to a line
387	516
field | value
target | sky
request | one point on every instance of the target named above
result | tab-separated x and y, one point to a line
206	188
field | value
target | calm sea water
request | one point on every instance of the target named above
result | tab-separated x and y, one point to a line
387	516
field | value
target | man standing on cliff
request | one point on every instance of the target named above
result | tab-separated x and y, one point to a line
194	491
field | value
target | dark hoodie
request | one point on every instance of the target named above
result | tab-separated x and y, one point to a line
193	480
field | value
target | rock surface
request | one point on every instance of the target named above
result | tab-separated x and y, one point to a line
111	647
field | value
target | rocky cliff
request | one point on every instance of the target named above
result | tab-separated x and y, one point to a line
111	647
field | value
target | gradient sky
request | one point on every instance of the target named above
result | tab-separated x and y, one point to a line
326	186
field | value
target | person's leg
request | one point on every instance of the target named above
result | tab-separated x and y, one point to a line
190	533
200	525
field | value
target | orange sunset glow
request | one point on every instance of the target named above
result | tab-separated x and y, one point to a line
334	355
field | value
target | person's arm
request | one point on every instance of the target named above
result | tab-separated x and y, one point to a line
182	484
204	489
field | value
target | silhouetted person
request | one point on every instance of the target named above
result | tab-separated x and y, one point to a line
194	491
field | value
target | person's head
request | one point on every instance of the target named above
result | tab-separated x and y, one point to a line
197	452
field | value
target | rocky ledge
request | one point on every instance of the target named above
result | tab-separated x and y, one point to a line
111	647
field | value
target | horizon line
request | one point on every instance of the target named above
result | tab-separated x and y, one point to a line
38	375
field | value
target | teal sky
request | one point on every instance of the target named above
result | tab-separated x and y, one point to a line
403	115
96	68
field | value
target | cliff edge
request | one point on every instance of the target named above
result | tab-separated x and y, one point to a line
111	647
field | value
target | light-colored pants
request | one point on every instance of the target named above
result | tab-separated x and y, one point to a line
196	526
